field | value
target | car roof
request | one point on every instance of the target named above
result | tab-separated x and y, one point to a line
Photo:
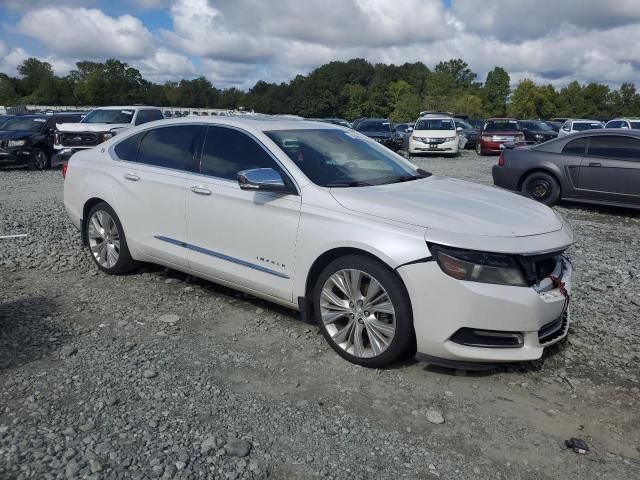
624	118
263	123
127	107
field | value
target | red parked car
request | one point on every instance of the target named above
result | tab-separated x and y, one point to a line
496	132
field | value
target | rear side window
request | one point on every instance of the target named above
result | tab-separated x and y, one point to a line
127	149
612	146
170	147
227	152
575	147
145	116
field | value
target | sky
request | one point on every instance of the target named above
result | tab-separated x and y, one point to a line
235	43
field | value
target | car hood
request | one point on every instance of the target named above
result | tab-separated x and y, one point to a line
90	127
452	205
15	134
434	133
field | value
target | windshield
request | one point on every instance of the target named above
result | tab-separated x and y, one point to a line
435	124
336	158
108	116
540	126
501	125
24	124
463	124
376	126
580	126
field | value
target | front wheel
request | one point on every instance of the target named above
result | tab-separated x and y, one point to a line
542	187
39	160
364	311
107	242
479	149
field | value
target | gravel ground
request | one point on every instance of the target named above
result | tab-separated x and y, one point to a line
161	375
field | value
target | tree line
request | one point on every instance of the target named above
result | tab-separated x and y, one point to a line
351	89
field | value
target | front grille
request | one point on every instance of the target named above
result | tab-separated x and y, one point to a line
83	139
553	330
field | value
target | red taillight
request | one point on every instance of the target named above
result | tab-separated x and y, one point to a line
65	165
501	159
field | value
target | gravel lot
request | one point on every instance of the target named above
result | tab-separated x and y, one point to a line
161	375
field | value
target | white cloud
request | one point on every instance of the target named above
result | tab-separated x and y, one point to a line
10	58
83	32
166	65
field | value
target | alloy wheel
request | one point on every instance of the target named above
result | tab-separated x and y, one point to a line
40	160
104	239
358	313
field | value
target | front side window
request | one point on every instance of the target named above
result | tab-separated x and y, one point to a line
435	124
228	151
108	116
464	125
575	147
170	147
613	146
336	158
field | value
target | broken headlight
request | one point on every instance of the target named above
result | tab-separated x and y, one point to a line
480	267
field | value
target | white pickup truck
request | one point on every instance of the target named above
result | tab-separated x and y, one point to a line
97	126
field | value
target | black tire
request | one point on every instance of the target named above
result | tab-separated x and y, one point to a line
39	160
403	343
542	187
479	150
125	262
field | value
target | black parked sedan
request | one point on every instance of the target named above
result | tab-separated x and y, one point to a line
593	166
381	130
536	131
27	140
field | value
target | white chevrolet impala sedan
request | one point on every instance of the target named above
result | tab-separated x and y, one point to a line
387	259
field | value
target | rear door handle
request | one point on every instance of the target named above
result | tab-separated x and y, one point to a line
595	164
199	190
131	176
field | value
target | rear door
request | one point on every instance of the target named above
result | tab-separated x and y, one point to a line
153	188
610	170
240	236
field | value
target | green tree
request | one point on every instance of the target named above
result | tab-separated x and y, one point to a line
33	72
355	101
496	92
405	104
459	71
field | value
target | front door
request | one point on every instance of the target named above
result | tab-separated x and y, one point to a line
244	237
611	169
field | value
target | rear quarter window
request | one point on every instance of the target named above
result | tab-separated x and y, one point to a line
575	147
127	149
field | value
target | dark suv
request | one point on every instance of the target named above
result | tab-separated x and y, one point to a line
382	131
27	140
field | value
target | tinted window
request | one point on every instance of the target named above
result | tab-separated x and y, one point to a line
501	125
227	152
374	126
575	147
625	148
145	116
170	147
108	116
25	124
580	126
616	124
634	125
127	149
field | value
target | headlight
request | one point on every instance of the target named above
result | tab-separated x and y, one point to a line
107	136
16	143
480	267
450	139
539	137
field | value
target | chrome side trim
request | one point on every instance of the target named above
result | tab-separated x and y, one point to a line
221	256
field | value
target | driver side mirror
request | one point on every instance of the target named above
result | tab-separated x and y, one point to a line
262	179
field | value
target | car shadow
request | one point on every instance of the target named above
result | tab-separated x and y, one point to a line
614	211
28	331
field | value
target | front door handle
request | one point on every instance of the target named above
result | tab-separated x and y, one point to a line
199	190
131	176
595	164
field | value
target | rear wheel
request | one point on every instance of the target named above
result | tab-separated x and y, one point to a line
542	187
364	311
107	241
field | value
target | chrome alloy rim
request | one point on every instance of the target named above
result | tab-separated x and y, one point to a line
357	313
41	160
104	239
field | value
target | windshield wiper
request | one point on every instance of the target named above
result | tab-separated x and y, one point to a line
353	183
407	178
